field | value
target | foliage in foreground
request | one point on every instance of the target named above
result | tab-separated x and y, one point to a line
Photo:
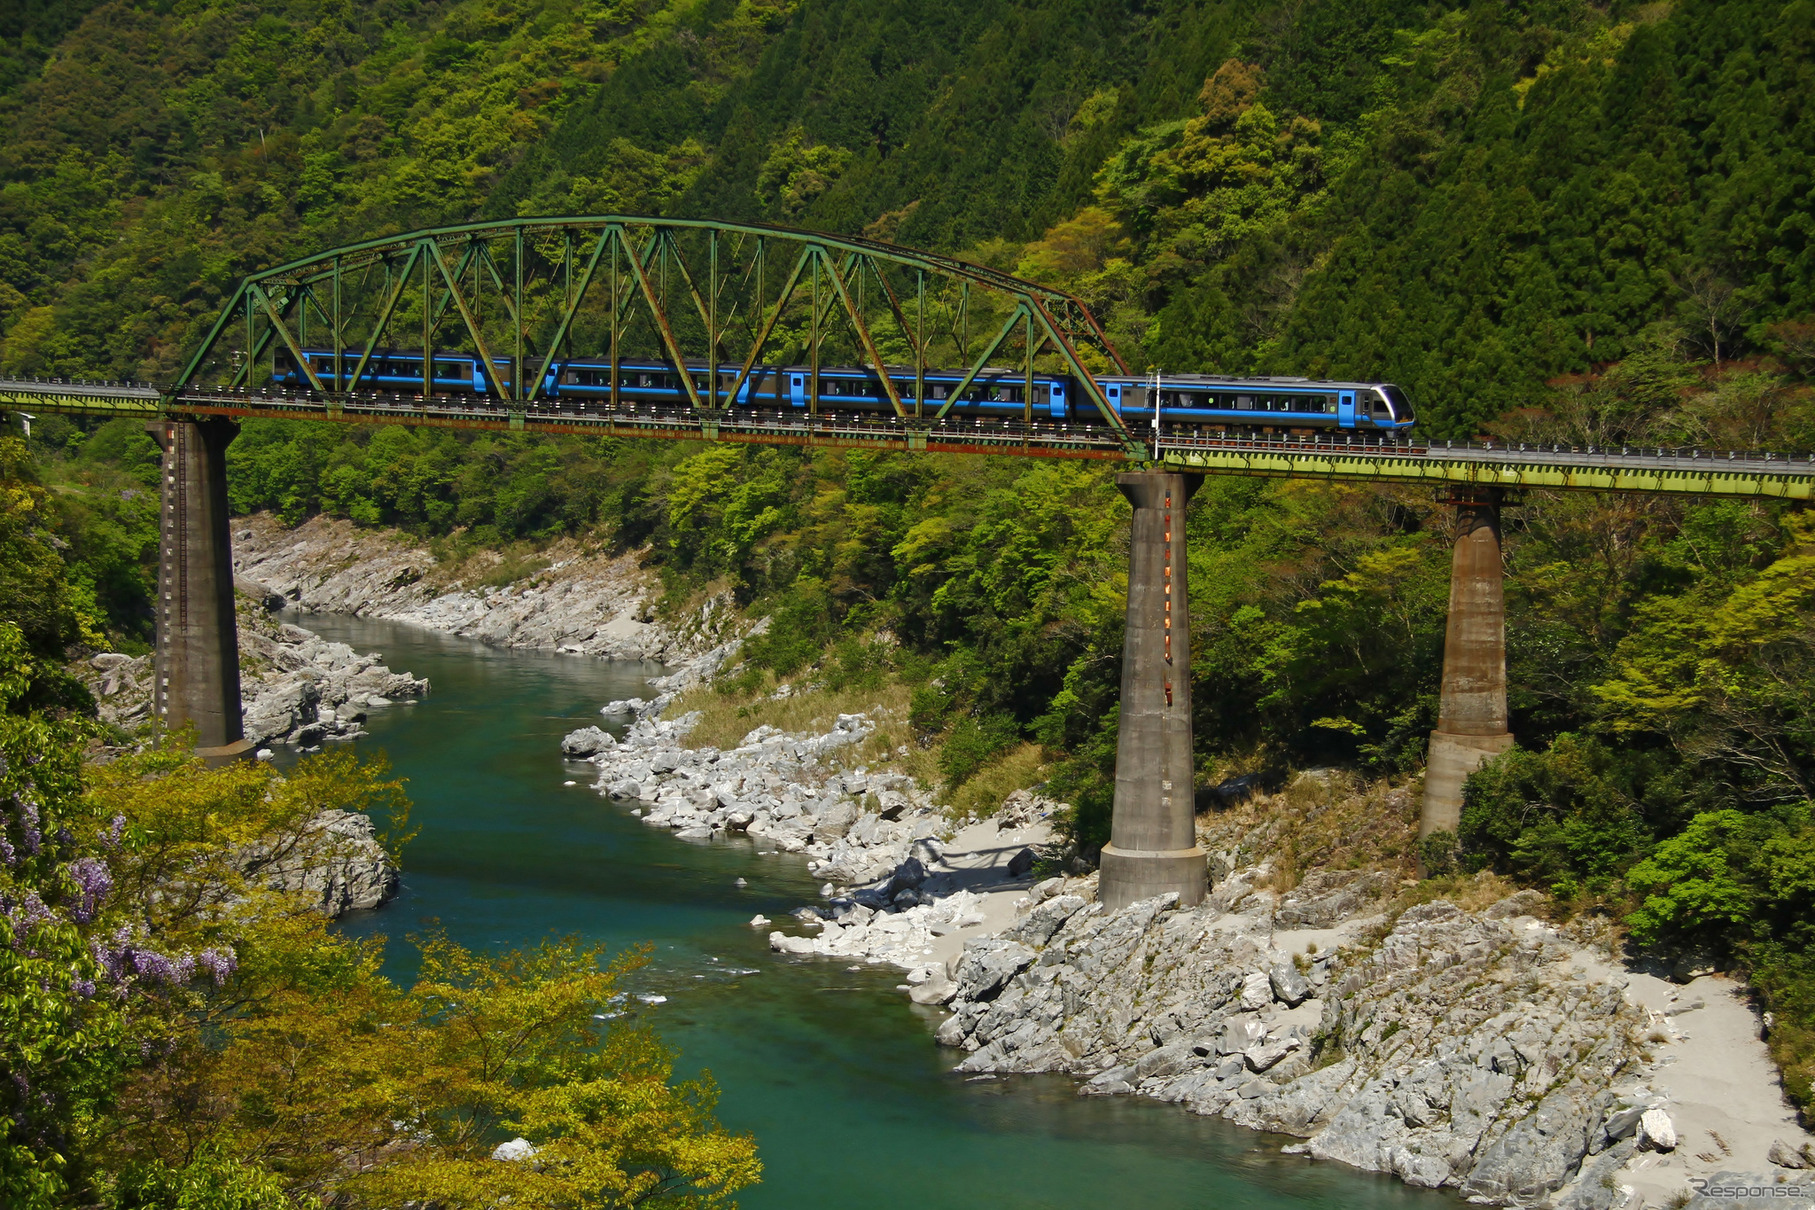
172	1034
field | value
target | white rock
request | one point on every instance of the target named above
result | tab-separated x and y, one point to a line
515	1151
784	944
1257	992
1656	1131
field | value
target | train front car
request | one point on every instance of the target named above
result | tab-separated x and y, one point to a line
1256	405
1397	415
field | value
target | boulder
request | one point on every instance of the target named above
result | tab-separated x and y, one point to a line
1290	987
907	876
781	943
1239	1035
987	965
1267	1054
1038	926
1622	1123
936	990
1786	1156
834	821
1257	992
1656	1131
584	742
1022	863
1170	1060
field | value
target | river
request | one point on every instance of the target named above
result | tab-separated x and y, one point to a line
833	1071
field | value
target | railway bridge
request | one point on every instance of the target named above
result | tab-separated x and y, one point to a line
721	306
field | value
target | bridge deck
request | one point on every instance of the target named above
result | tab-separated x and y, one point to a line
1333	456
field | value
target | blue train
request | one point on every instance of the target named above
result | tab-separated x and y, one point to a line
1199	400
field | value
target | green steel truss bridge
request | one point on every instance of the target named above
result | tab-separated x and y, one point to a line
734	297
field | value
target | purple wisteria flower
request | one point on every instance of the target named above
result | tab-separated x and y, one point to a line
219	962
28	825
124	962
94	881
27	915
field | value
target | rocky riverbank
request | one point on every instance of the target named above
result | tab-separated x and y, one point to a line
1456	1044
300	690
296	688
570	598
904	884
1478	1050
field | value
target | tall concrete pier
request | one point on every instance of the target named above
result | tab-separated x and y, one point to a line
1472	718
1153	844
197	678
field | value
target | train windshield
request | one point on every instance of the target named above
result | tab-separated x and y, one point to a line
1402	407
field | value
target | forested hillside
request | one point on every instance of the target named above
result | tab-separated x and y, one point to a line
1469	200
1574	221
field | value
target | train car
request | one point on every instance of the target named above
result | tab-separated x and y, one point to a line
1198	401
1203	400
996	392
389	370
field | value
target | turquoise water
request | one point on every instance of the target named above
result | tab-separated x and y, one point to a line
834	1072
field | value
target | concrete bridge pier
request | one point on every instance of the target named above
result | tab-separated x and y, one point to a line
197	663
1153	843
1472	716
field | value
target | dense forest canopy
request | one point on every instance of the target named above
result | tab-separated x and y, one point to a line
1554	219
1467	199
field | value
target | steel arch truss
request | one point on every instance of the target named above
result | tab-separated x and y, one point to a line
732	299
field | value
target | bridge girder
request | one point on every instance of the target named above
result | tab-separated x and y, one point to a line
735	296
